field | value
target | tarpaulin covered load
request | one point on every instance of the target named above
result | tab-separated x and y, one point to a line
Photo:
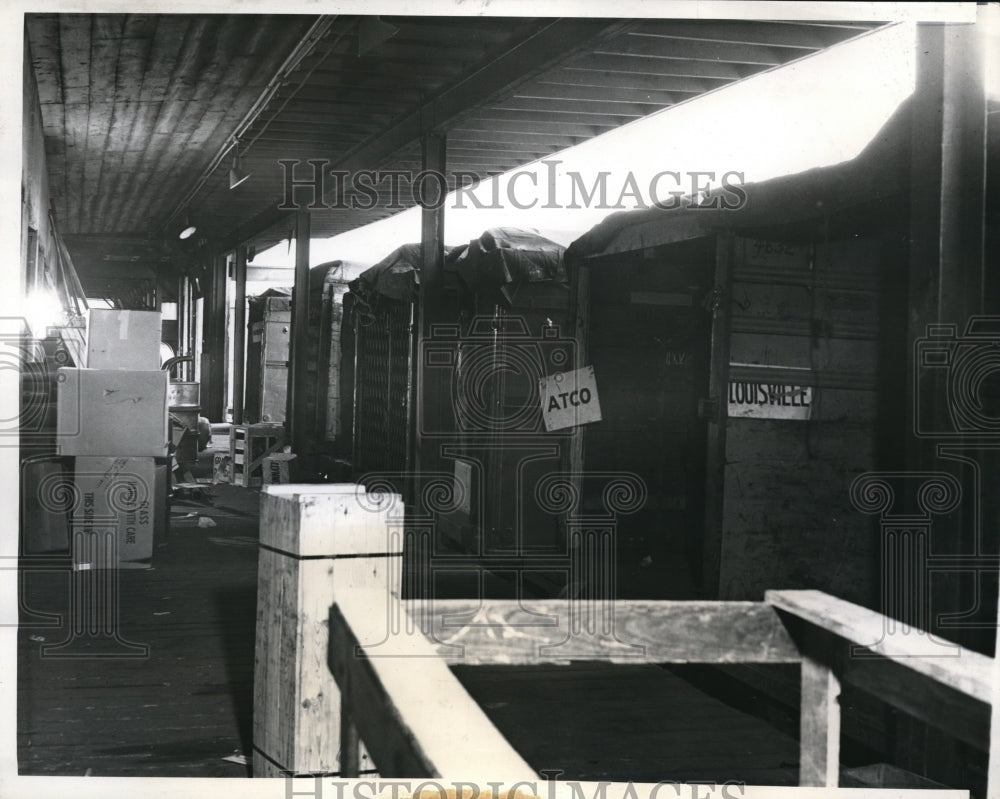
395	276
504	257
334	272
498	258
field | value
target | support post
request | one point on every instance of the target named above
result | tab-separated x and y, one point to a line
239	334
350	746
182	323
296	408
434	159
993	764
430	299
318	543
946	280
213	346
715	413
819	726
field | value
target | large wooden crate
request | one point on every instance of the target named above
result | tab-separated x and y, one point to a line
318	542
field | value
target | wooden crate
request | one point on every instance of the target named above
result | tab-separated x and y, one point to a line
249	444
318	543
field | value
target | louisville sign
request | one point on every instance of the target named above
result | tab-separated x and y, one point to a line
749	400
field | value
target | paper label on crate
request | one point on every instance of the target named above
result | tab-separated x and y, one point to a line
569	399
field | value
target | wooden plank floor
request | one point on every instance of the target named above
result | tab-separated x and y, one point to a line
186	705
594	721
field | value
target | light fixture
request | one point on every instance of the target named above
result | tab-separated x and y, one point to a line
237	174
189	230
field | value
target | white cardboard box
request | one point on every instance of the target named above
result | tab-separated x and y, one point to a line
121	500
278	469
128	340
111	412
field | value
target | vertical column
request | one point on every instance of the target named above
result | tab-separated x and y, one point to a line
947	198
714	412
296	407
819	725
190	324
182	323
213	347
317	542
993	766
434	154
430	303
239	334
946	276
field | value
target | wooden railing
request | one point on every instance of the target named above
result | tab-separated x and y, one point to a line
416	720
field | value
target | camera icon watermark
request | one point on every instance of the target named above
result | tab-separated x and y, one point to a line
28	371
956	414
962	374
492	371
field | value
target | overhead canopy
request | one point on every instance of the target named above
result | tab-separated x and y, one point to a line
142	112
866	190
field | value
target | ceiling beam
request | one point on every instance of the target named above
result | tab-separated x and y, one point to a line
802	37
490	82
652	65
306	45
635	45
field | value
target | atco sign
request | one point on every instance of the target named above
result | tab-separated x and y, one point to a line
569	399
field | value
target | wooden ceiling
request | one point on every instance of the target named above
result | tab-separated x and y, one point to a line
140	111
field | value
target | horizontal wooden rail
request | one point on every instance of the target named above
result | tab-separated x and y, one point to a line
533	632
930	678
412	714
871	633
400	698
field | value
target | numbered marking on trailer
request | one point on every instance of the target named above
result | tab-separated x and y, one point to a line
569	399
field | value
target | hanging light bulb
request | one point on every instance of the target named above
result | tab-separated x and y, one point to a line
237	174
189	230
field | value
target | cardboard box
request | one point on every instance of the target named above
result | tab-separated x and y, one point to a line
128	340
110	412
122	500
278	468
45	498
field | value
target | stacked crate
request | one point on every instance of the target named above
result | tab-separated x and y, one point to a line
112	421
249	445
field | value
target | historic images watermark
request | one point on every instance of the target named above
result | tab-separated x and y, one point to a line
548	787
314	184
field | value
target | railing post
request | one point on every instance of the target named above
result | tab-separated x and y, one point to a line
993	764
318	543
819	726
350	745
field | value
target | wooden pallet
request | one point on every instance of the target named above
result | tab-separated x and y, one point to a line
249	444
